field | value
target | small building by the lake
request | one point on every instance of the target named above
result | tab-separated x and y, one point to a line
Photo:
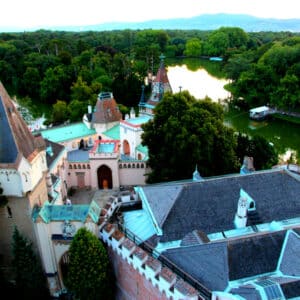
260	113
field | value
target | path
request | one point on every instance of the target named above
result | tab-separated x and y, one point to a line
85	196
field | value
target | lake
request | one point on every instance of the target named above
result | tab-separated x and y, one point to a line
200	83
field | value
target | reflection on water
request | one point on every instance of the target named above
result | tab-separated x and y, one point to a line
283	135
199	83
253	125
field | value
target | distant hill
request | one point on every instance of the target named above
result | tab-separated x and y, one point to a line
202	22
209	22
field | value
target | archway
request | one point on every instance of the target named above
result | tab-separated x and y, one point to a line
104	175
126	147
63	264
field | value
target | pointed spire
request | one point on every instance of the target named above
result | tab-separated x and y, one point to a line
162	57
196	175
142	99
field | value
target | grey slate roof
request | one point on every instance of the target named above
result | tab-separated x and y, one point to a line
162	204
207	263
215	264
78	156
8	148
251	256
56	148
195	237
16	140
248	292
291	289
210	205
290	263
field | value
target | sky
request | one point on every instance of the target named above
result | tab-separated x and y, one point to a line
26	14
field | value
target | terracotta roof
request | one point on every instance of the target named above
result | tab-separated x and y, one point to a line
161	75
106	110
162	80
15	136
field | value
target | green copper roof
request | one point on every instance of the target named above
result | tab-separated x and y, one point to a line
143	149
65	133
113	133
68	212
139	120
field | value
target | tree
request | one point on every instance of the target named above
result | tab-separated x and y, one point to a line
193	48
60	112
30	281
76	110
263	153
186	132
89	276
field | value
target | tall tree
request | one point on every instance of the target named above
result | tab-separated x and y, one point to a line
89	275
186	132
29	278
263	153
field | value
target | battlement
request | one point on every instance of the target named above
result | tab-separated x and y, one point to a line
161	277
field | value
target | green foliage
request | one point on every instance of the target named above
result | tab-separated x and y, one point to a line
89	274
29	278
76	109
186	132
264	154
46	65
193	48
59	112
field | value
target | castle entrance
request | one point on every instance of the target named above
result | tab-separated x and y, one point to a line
104	174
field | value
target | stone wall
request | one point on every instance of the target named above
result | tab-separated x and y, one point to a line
139	275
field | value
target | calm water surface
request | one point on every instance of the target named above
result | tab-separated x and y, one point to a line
199	83
283	135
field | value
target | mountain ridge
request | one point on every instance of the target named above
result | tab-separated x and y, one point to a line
202	22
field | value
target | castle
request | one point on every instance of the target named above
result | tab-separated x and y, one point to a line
227	237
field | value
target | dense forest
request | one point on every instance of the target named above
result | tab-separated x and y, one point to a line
66	70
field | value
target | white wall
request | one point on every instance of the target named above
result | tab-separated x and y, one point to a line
133	135
10	182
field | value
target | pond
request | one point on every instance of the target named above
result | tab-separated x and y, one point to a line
200	83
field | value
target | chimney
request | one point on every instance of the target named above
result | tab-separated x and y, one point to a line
245	204
247	166
240	219
132	113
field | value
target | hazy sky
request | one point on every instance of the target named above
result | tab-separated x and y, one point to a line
38	13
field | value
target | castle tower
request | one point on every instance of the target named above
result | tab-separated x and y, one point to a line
23	169
160	85
106	113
